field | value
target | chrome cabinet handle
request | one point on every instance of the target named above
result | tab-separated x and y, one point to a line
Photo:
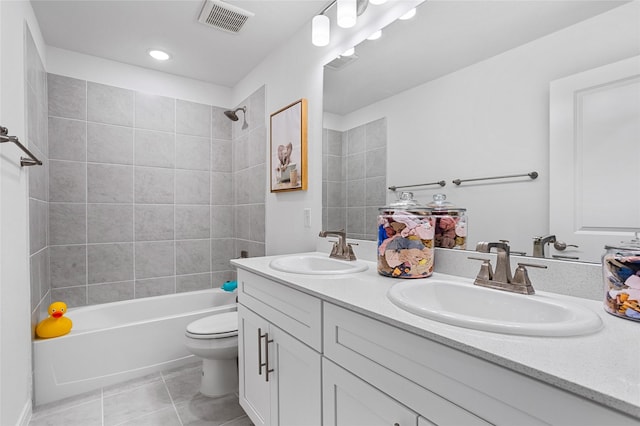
260	363
266	355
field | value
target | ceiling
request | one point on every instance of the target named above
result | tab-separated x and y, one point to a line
445	36
124	30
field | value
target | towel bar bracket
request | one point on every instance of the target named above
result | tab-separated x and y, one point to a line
31	161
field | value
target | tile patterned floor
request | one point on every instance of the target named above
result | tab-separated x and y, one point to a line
169	398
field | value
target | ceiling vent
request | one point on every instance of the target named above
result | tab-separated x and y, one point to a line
341	62
223	16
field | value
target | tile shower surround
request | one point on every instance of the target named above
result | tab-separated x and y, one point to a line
354	177
36	139
142	199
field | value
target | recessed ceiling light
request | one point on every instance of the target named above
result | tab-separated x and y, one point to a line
410	14
159	55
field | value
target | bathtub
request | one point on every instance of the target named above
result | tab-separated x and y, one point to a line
115	342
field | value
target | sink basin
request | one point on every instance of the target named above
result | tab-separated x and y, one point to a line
470	306
316	264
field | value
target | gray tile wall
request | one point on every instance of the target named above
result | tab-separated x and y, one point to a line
250	181
354	177
142	200
36	140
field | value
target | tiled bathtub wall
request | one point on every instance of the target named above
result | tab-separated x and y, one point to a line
250	182
354	176
142	199
36	138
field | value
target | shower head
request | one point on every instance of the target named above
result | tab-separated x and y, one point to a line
234	117
232	114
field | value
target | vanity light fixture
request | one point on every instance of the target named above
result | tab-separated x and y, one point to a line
410	14
347	10
159	55
320	30
376	35
347	13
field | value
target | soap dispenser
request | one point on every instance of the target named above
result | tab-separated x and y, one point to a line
405	239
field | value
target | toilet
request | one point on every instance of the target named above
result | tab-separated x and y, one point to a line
215	340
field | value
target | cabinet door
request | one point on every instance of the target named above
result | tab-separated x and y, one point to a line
253	387
349	401
296	387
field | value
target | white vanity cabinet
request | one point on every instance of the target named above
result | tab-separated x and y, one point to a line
280	376
447	386
335	366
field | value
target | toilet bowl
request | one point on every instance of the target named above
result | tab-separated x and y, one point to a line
215	340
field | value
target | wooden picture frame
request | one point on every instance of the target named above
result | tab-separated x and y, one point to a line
288	147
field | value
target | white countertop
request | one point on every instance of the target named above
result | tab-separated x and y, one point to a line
603	367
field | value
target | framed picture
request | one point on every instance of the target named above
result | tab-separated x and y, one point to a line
289	148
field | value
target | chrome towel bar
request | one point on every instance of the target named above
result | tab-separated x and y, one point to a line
532	175
32	161
440	182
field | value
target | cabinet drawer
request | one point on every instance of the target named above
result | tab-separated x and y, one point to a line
373	351
298	313
446	385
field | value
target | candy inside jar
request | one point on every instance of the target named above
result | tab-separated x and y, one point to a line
405	239
621	273
451	223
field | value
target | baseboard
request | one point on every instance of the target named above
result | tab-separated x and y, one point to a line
25	416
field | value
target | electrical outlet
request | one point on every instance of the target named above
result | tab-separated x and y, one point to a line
307	218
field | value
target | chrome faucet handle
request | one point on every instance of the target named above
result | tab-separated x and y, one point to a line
521	278
485	274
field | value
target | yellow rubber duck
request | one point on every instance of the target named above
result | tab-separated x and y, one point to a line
56	324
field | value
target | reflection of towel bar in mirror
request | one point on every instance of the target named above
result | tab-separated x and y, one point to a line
532	175
23	161
440	182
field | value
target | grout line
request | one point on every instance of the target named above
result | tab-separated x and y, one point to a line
102	405
86	190
173	404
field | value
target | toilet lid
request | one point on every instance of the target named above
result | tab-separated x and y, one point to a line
219	325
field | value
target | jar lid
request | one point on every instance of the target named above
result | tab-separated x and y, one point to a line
405	201
633	244
441	205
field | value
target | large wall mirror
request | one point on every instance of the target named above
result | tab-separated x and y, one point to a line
462	91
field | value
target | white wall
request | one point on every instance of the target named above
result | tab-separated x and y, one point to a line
296	71
15	318
91	68
492	119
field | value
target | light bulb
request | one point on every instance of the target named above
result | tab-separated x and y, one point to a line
375	35
410	14
347	10
376	2
349	52
320	30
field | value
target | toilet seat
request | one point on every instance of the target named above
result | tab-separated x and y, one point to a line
214	327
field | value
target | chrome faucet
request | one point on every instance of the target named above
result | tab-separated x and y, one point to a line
540	242
341	249
501	278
